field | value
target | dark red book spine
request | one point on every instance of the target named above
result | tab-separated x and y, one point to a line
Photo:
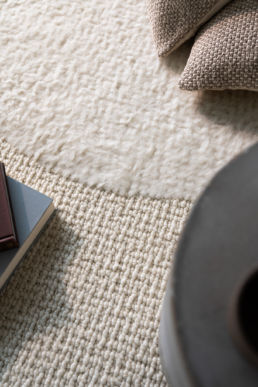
8	233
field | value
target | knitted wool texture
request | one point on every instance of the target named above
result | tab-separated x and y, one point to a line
174	21
225	54
83	308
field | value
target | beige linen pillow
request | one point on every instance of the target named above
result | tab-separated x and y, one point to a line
175	21
225	53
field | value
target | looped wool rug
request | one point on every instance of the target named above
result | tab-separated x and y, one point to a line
89	105
83	308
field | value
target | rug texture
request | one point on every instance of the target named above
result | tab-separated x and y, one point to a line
83	308
82	91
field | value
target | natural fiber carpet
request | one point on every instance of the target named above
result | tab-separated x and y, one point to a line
83	308
82	91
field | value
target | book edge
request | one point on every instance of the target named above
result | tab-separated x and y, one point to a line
12	267
9	202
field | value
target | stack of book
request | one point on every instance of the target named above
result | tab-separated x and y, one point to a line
24	213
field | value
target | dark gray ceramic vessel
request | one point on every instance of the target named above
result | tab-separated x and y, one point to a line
217	250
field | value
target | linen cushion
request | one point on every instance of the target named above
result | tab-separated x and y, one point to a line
175	21
225	53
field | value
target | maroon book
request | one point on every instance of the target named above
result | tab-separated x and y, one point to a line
8	234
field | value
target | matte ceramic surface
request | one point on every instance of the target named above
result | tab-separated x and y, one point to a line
218	247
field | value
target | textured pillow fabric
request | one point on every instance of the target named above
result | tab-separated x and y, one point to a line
175	21
225	53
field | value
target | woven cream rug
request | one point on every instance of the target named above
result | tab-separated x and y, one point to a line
83	308
83	91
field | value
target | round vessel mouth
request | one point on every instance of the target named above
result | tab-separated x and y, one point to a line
243	316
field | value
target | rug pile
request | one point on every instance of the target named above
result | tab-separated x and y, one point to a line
83	308
83	92
91	117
